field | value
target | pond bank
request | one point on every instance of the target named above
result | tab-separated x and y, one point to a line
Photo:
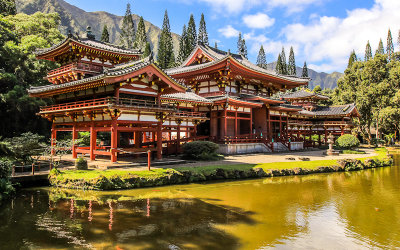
126	179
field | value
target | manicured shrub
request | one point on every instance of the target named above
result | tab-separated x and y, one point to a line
347	142
200	150
81	164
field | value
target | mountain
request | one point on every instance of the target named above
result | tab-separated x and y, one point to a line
76	20
325	80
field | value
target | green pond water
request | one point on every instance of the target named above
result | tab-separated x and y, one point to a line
356	210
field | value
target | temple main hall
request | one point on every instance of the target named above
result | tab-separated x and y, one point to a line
213	95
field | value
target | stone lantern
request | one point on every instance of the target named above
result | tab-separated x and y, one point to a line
331	151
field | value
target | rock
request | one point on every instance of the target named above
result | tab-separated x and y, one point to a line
259	172
304	158
290	158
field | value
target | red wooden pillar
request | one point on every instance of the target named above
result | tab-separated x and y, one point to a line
159	141
93	138
225	123
236	125
326	135
280	124
178	136
74	138
53	138
114	142
251	121
287	125
269	125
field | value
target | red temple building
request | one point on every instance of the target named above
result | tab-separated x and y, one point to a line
214	95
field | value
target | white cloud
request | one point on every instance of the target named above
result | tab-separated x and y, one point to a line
258	21
326	41
228	31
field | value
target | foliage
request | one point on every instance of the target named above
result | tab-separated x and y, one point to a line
6	188
243	50
20	35
200	150
191	36
352	59
347	141
283	61
7	7
182	55
127	35
81	163
357	152
25	146
278	67
203	35
105	36
317	89
261	59
304	73
380	50
147	50
141	37
166	58
292	63
389	47
239	43
368	52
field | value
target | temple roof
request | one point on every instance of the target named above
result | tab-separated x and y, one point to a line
219	56
97	45
187	96
121	69
301	94
337	110
234	99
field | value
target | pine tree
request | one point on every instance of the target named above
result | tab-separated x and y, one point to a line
127	35
389	47
216	45
278	67
203	35
182	46
292	63
352	59
283	61
305	70
239	43
147	50
368	52
261	59
244	49
191	35
398	40
380	49
165	55
105	36
141	37
8	7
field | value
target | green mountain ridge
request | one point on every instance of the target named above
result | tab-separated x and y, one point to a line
76	20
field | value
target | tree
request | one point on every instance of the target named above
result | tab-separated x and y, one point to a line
368	52
244	49
317	89
239	43
292	63
182	46
389	47
283	61
216	45
166	57
380	49
278	67
147	50
141	37
352	59
261	59
305	70
105	36
25	146
398	39
7	7
203	35
127	35
191	40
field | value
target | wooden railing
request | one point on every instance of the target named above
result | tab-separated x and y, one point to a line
138	102
189	114
76	66
215	93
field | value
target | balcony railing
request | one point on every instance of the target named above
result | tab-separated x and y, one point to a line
76	66
189	114
75	105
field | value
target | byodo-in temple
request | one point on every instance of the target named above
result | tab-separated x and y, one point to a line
214	95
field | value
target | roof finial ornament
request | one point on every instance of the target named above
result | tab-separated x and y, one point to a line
89	34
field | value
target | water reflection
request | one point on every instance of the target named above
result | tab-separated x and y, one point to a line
331	211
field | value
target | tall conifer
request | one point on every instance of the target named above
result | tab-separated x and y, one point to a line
389	47
292	63
216	45
352	59
147	50
141	37
165	57
305	70
278	67
105	36
191	35
182	46
127	35
203	35
368	52
244	49
398	40
239	43
261	59
380	49
283	61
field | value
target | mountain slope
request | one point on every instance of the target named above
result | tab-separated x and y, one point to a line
76	20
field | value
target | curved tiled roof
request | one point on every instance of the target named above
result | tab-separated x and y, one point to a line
302	94
91	43
341	110
186	96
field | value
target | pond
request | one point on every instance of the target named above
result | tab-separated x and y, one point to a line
353	210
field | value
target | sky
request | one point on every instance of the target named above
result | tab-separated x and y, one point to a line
322	32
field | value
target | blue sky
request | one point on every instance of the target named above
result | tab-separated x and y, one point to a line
322	32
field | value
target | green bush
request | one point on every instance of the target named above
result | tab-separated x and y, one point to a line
347	142
81	163
200	150
6	189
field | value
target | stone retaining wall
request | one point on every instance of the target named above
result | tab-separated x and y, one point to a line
243	148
